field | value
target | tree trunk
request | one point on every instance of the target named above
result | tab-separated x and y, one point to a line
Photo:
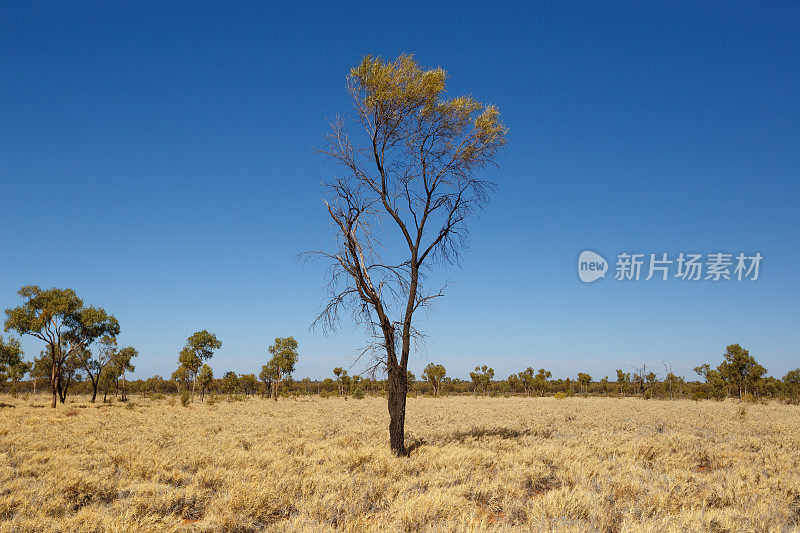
398	387
95	383
61	388
53	385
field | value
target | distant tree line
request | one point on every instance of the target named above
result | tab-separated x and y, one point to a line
81	356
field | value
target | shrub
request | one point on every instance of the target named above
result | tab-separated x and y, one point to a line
560	396
212	399
185	398
358	394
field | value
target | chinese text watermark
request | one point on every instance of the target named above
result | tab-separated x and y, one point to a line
630	266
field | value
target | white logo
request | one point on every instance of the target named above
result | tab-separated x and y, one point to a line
591	266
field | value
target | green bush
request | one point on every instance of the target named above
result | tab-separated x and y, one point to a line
358	394
185	398
560	396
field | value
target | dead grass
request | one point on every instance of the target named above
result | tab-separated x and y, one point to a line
501	464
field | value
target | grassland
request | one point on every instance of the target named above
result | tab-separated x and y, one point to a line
504	464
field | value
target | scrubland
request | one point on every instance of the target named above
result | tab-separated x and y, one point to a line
500	464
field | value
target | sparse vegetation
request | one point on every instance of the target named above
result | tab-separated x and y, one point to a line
476	463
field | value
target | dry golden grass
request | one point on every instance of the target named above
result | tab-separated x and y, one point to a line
506	464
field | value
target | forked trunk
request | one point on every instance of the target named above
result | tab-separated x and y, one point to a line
398	386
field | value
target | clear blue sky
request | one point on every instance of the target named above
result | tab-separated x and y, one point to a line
158	158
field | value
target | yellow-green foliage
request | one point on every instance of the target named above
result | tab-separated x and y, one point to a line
477	463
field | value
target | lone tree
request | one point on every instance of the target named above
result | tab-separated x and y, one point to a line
199	347
284	357
434	374
59	318
408	187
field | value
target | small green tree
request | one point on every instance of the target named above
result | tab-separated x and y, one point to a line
481	378
792	382
674	384
340	373
715	385
284	358
122	362
12	366
109	379
584	380
623	378
434	374
95	362
199	347
230	382
739	368
41	370
527	380
182	378
204	380
267	377
541	381
248	383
